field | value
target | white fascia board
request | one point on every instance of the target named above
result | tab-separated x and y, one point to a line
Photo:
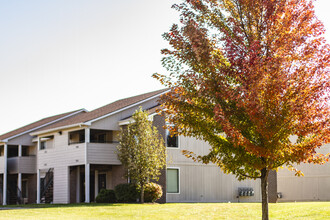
127	107
43	125
58	128
126	122
130	120
4	141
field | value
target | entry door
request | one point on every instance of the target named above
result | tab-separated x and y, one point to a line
102	181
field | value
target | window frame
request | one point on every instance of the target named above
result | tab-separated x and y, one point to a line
179	179
178	140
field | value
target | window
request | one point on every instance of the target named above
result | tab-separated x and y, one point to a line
25	151
172	140
46	142
101	136
42	145
76	137
172	180
12	151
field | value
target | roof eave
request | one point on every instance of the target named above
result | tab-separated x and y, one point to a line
130	120
43	125
127	107
59	128
4	141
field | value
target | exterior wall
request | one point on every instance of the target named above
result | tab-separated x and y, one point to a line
32	189
73	184
272	186
61	154
117	175
313	186
61	184
99	153
25	139
32	150
159	122
111	122
205	183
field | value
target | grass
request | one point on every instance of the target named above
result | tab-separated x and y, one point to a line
308	210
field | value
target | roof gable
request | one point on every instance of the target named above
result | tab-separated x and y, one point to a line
104	111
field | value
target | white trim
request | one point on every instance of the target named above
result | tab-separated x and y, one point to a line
5	182
43	125
179	179
127	107
87	183
130	120
38	186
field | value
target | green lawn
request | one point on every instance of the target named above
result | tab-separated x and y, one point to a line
310	210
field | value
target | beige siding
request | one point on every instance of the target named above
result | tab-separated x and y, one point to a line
32	150
99	153
61	185
22	164
25	139
205	183
2	164
27	164
61	154
313	186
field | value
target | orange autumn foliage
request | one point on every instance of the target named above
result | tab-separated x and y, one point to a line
251	78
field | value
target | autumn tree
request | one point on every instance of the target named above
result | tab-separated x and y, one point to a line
141	150
245	76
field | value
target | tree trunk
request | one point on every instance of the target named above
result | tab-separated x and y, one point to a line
264	192
142	193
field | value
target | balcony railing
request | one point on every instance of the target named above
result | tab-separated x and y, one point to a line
25	164
2	164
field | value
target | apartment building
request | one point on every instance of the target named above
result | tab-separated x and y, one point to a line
70	157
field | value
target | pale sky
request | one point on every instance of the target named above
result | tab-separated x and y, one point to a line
58	56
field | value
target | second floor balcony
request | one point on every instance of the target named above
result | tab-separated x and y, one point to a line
23	164
2	164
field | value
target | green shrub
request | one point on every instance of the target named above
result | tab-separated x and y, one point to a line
126	192
106	196
152	192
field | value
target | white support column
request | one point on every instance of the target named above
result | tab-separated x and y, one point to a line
19	183
19	150
87	135
38	186
78	185
87	183
5	156
96	180
38	144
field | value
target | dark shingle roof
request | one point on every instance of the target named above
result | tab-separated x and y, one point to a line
36	124
99	112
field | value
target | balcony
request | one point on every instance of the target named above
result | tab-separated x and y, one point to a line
25	164
2	164
102	153
67	155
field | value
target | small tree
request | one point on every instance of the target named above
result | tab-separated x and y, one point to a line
245	76
141	150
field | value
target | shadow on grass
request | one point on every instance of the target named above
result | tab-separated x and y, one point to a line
73	205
